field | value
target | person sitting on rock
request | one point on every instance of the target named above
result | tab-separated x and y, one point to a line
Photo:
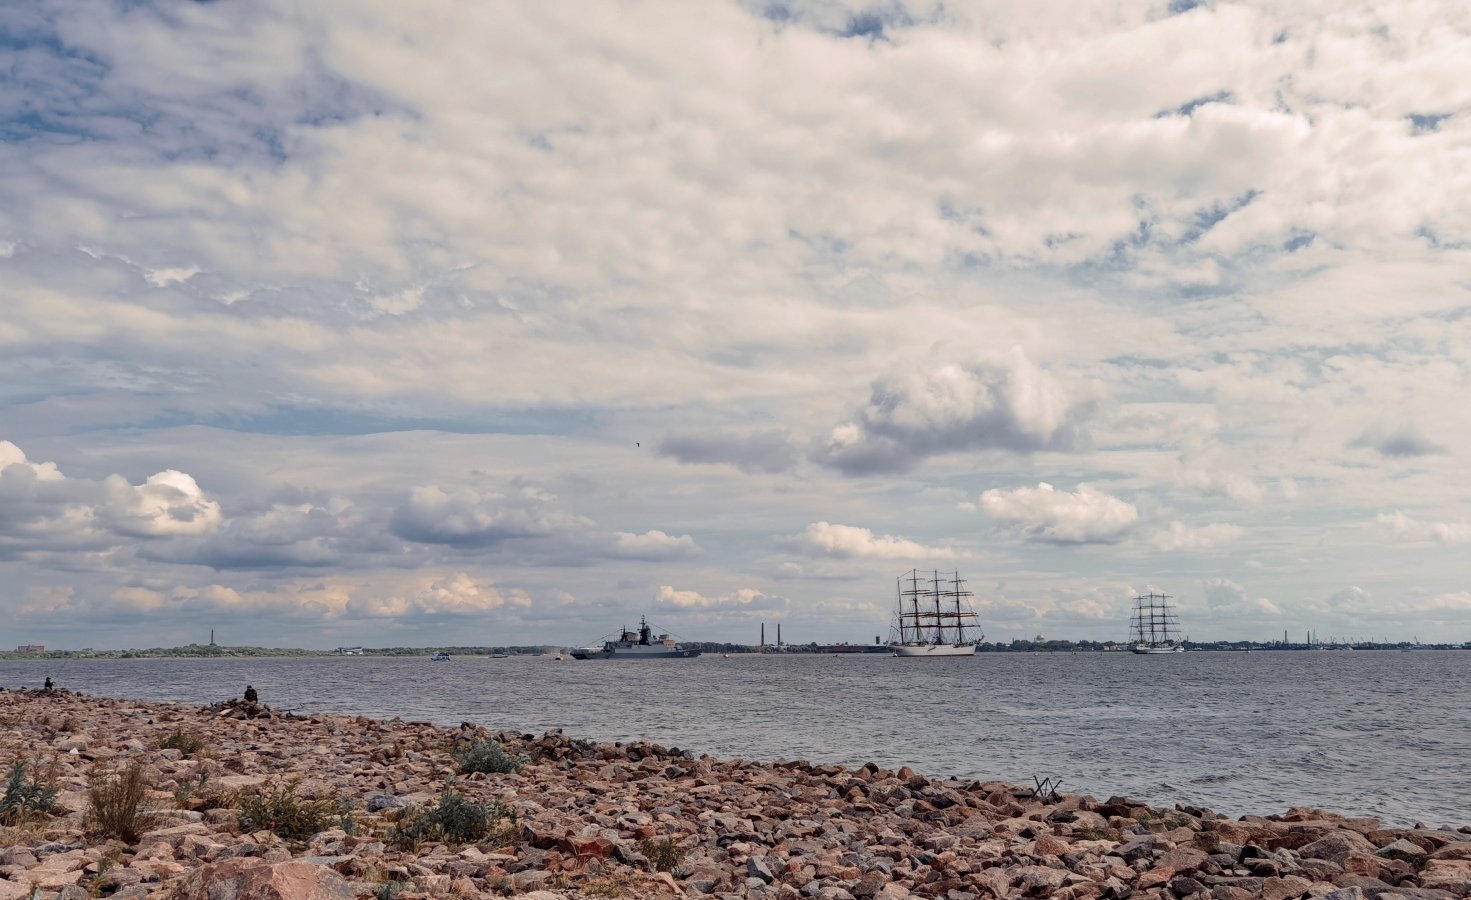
250	695
49	685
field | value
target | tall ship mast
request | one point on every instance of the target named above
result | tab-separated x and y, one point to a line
1155	627
934	617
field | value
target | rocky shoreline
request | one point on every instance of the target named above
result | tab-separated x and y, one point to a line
588	817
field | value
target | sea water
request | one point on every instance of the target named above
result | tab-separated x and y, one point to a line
1362	733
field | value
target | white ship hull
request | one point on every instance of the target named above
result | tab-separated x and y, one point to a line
928	651
1146	649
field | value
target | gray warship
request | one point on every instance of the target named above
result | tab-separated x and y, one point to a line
637	645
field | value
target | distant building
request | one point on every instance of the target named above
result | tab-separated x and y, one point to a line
31	648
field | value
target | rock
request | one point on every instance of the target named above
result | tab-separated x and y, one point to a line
380	802
72	892
1185	860
1184	886
1370	887
131	892
1285	888
1047	845
531	879
1451	875
246	878
1401	846
1362	864
758	867
1337	846
1349	893
1155	878
1139	848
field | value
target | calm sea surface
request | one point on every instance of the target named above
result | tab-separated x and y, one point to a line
1372	733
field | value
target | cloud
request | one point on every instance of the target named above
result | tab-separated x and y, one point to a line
1180	536
1087	516
850	542
770	451
166	277
42	509
1352	596
466	518
11	455
1405	441
1002	404
744	600
1416	531
285	535
169	503
1224	596
654	546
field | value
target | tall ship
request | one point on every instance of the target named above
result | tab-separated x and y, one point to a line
1155	628
641	644
934	618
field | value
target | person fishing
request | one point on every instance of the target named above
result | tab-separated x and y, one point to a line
250	695
49	685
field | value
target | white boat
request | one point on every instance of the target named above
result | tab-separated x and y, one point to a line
1155	626
441	656
637	645
934	619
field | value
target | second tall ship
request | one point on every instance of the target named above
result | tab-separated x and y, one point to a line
1155	628
934	618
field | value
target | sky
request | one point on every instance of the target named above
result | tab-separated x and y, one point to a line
446	323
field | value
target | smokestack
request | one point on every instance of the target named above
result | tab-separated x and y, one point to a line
778	634
763	634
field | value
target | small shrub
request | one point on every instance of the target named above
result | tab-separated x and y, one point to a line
488	757
664	854
456	820
284	814
24	797
116	808
182	741
191	794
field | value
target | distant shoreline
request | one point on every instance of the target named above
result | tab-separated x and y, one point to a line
211	651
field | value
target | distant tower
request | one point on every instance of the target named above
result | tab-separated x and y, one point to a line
763	634
211	637
778	634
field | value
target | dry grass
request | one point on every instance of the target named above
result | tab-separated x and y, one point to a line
116	808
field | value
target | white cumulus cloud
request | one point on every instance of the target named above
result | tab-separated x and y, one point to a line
1043	513
1412	530
1007	403
738	601
848	541
653	546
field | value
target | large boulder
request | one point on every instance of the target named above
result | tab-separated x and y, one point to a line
1453	875
250	878
1337	846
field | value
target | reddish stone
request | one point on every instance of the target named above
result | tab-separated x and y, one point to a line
246	878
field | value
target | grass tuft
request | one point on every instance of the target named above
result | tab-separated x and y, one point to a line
664	854
182	741
488	757
455	820
116	808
